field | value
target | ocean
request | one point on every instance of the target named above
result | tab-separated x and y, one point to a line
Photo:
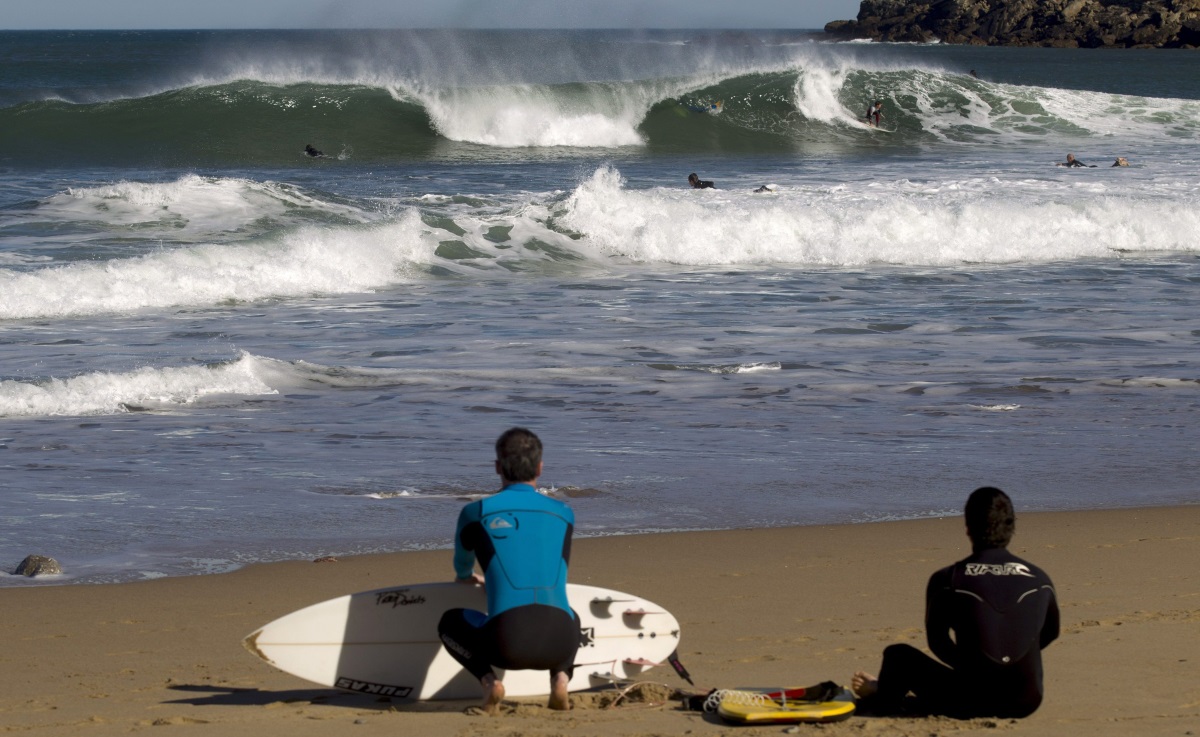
216	349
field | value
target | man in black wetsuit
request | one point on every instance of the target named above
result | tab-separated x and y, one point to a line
1073	162
1002	611
698	183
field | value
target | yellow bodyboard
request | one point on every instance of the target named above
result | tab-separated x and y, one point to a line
752	708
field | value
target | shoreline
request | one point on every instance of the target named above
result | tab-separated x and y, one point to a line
10	580
763	607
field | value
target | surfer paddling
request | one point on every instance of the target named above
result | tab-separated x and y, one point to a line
1002	611
1072	162
698	183
522	542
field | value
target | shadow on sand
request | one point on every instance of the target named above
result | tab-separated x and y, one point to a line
206	695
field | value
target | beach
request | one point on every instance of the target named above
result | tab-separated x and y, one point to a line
765	607
223	359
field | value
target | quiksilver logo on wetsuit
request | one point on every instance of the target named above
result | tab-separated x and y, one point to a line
995	569
498	523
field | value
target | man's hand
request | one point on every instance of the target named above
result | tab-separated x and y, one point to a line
475	579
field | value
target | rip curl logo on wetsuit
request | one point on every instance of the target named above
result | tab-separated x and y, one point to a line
994	569
398	597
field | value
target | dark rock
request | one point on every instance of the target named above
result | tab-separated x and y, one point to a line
37	565
844	29
1060	23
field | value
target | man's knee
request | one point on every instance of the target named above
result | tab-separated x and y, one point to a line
901	652
451	628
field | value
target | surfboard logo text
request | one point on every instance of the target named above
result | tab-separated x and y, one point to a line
398	597
379	689
1008	569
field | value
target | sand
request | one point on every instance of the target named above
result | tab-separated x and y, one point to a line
788	606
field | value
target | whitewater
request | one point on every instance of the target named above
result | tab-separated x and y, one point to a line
216	350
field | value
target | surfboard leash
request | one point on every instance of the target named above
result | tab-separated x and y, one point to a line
673	659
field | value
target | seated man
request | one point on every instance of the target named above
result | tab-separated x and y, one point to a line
522	541
1002	611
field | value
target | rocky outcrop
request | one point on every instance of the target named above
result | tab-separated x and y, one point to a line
37	565
1062	23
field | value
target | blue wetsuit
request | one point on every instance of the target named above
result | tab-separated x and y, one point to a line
522	541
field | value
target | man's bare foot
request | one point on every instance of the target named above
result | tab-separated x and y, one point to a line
864	684
493	694
560	697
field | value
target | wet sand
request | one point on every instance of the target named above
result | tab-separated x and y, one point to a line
788	606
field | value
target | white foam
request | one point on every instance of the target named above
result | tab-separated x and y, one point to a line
190	206
148	387
310	260
818	95
983	221
1154	382
534	116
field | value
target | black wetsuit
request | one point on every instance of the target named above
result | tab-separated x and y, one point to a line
702	184
1002	611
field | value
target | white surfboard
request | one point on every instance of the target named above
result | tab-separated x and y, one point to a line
385	642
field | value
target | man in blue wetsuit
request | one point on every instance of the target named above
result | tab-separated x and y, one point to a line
522	541
1002	611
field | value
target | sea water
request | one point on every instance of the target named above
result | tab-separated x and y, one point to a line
215	349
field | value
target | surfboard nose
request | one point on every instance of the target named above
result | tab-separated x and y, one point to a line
250	642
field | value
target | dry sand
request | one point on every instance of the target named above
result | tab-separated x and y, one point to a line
790	606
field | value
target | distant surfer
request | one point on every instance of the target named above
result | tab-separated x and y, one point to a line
1002	612
875	114
973	74
712	108
698	183
315	153
1074	162
522	541
1121	161
765	188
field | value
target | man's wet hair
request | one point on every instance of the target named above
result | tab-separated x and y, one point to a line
519	453
991	520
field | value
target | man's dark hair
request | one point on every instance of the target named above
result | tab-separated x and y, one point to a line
519	453
990	518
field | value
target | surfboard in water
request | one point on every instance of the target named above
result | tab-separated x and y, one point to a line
385	642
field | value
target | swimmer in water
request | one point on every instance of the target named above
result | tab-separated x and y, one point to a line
1074	162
